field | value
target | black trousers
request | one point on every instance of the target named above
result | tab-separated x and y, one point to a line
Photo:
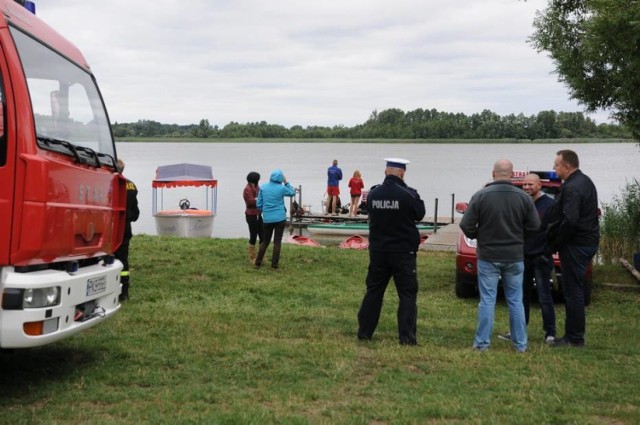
382	266
275	230
255	228
540	267
574	261
122	254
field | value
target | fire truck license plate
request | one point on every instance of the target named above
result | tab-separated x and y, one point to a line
96	285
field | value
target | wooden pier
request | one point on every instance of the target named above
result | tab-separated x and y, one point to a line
301	222
443	238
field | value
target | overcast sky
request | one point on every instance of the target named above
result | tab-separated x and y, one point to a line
298	62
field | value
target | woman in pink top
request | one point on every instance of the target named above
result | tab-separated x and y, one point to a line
355	187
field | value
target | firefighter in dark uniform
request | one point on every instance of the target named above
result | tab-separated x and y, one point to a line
133	213
394	209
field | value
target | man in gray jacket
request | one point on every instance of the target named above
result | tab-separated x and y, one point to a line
498	216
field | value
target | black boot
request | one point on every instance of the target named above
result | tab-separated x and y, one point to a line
125	292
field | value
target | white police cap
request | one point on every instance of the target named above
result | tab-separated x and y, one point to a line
397	163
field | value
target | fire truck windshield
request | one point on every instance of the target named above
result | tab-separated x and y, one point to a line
67	106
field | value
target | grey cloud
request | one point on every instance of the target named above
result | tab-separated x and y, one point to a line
309	63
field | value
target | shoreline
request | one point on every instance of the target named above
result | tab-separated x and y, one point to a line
369	141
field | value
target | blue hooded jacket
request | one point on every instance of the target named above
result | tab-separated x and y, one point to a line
271	198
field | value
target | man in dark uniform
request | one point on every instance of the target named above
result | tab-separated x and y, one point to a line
394	209
538	264
133	213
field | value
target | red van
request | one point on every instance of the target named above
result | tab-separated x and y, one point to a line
466	261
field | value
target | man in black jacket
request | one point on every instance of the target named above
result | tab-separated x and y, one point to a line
394	209
133	212
575	233
538	262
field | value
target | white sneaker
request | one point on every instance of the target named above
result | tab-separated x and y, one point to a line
549	339
505	336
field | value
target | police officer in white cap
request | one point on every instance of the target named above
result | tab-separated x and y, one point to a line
394	209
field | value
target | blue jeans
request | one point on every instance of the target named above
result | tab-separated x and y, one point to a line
489	274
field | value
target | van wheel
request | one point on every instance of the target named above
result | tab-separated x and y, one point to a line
464	287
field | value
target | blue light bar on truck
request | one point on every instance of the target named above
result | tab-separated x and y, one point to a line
29	5
547	175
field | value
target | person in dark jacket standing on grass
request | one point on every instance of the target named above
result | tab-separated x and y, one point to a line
252	213
538	262
394	209
132	214
499	215
575	233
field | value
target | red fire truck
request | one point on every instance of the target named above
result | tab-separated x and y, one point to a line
62	202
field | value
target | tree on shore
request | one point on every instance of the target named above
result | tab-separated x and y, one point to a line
595	46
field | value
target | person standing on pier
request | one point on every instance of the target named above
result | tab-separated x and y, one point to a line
355	188
334	175
394	209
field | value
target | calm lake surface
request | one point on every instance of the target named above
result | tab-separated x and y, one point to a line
436	171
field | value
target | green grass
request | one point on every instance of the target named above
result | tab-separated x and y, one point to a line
206	338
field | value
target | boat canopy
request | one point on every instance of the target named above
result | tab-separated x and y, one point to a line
180	175
185	177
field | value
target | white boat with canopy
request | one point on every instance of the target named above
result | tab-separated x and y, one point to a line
186	221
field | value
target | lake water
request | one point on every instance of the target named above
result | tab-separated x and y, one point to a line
436	171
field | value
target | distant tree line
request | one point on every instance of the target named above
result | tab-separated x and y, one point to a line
396	124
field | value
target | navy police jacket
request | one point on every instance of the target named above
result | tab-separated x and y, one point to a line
394	209
536	243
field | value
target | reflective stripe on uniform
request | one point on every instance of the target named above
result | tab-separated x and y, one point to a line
124	273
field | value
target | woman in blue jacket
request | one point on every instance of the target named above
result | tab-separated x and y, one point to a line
274	214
